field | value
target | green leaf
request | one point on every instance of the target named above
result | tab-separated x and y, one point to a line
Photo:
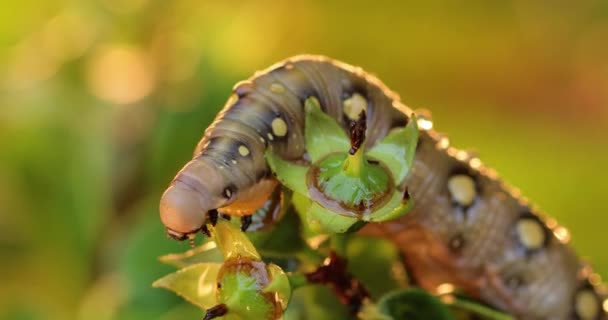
281	240
289	174
207	252
328	221
316	302
397	150
195	283
232	242
370	312
474	307
322	133
413	304
376	263
395	208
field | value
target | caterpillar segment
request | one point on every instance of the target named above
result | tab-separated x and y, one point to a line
468	230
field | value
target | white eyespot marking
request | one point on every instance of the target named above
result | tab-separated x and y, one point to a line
279	127
243	151
277	88
270	136
586	304
354	105
530	233
228	193
262	140
233	161
462	189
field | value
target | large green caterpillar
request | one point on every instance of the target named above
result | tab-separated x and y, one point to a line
467	228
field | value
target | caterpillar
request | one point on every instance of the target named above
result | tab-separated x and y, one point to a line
468	229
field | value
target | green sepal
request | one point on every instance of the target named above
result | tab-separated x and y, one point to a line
324	220
195	283
395	208
289	174
232	242
207	252
322	133
301	204
396	151
279	284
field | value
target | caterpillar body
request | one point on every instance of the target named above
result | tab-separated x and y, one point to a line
467	230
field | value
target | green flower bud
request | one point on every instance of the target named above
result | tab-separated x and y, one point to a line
349	185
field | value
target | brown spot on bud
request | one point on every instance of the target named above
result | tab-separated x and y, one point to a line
406	195
357	132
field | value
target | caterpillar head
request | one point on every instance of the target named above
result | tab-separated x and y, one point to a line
196	190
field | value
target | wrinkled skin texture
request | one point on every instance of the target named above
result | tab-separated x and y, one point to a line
527	270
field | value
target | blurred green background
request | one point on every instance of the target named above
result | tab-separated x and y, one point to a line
101	102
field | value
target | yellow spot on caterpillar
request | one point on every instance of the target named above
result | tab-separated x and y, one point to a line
462	189
354	105
531	234
586	305
279	127
277	88
605	305
243	151
262	140
270	136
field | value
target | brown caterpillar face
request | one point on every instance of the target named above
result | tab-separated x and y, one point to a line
192	194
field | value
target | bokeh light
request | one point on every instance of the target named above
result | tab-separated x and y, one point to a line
121	75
